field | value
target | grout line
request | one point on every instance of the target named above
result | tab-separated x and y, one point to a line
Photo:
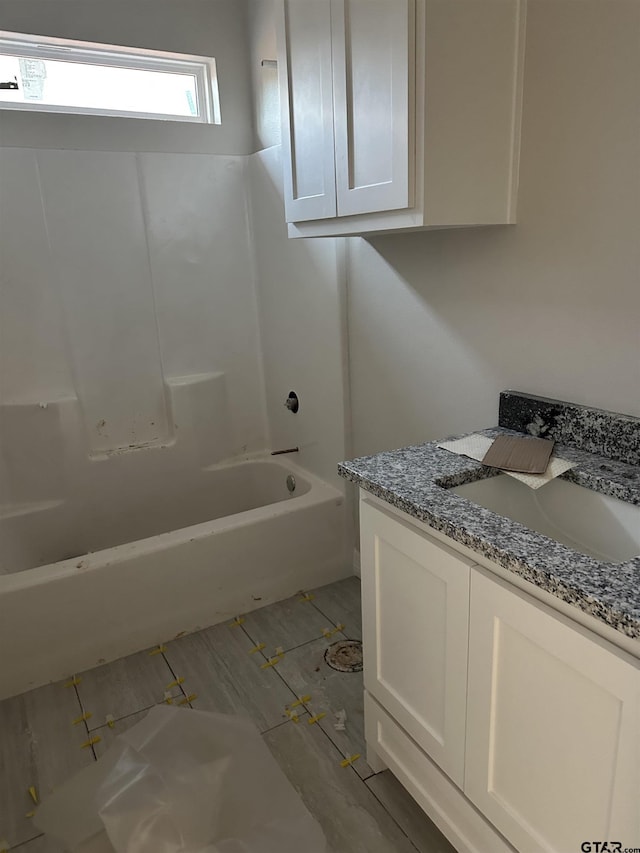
393	817
125	717
279	726
85	722
175	677
274	668
242	628
28	841
370	776
300	645
333	622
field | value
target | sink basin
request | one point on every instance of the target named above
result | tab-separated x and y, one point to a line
587	521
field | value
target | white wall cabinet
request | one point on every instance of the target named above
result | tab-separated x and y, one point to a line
400	114
534	720
307	116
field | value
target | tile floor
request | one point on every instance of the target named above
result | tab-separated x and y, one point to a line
43	739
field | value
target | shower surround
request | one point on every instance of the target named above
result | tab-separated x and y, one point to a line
139	329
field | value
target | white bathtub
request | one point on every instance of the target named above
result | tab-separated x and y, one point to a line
141	570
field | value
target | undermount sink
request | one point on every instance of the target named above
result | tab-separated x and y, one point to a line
587	521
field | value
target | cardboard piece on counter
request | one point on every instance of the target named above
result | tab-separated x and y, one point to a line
519	453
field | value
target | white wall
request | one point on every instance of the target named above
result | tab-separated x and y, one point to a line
440	322
263	47
126	265
120	271
301	291
202	27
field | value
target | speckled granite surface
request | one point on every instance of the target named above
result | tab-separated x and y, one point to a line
416	479
610	434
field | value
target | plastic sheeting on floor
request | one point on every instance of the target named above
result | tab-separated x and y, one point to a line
182	781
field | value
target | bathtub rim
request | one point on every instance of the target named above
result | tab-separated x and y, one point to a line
319	491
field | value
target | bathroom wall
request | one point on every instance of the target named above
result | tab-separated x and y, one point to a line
301	294
301	286
136	285
215	28
263	53
123	278
440	322
127	295
301	289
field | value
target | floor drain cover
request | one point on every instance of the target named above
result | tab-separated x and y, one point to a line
345	656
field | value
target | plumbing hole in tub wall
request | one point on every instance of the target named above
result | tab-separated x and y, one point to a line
292	402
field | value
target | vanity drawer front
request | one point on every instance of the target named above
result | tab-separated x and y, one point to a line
415	629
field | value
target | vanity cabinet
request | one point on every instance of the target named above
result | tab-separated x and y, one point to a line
553	726
503	718
399	114
415	596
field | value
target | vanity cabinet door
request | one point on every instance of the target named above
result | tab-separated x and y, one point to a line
306	104
553	726
415	595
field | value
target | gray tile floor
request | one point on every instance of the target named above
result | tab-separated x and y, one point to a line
49	734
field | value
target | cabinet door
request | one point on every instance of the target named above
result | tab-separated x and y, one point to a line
373	74
553	719
306	103
415	595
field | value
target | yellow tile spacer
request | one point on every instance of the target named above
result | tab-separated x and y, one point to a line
308	596
316	719
73	681
237	621
30	814
168	698
81	719
91	742
257	648
110	720
348	761
294	718
271	662
188	698
158	651
33	794
175	683
329	632
301	701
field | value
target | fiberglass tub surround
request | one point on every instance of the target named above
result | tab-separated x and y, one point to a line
594	570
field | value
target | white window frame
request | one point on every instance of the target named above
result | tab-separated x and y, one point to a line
203	68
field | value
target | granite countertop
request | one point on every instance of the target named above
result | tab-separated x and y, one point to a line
416	479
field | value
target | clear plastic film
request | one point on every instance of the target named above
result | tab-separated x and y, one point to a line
182	781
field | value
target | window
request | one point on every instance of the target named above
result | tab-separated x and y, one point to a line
56	75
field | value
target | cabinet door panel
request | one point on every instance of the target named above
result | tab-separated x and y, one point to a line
415	605
306	99
553	749
373	68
